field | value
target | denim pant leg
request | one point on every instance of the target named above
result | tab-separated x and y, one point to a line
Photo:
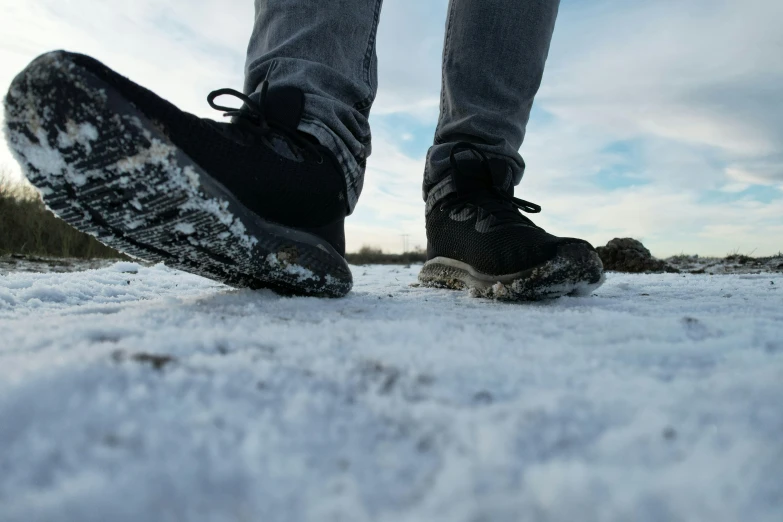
326	49
493	61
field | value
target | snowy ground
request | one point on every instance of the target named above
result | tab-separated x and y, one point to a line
135	393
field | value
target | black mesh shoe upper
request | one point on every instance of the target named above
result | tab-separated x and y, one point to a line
280	174
480	224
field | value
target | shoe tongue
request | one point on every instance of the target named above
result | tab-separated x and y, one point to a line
474	176
284	106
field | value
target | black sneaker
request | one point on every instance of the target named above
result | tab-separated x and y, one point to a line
251	203
477	239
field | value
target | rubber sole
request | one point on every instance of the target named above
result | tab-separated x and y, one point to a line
575	270
105	168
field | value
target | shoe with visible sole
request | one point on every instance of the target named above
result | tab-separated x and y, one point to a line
477	239
250	203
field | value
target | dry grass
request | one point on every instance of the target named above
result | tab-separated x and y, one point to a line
27	227
375	256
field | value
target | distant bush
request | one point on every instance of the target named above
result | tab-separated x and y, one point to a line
375	256
27	227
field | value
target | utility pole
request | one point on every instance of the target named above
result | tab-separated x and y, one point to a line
404	242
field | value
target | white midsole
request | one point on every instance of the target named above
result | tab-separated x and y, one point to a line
480	279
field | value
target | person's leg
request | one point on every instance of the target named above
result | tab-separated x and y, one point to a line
326	49
259	201
493	61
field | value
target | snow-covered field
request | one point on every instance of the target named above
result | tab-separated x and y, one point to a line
134	393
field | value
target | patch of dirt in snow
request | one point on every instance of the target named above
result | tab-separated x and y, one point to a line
22	263
156	361
629	255
733	264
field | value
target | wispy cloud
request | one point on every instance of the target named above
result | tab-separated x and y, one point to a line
705	73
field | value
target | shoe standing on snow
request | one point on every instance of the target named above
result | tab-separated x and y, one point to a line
478	239
252	203
493	65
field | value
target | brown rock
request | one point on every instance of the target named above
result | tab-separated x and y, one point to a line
630	255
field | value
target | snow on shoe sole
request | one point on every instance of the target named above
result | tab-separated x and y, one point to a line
575	270
104	167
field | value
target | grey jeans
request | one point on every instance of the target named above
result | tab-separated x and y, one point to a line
493	60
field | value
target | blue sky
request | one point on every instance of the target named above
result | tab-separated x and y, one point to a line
657	120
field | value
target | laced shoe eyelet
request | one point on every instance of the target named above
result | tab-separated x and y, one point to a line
251	116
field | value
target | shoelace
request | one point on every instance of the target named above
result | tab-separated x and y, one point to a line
504	206
252	113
